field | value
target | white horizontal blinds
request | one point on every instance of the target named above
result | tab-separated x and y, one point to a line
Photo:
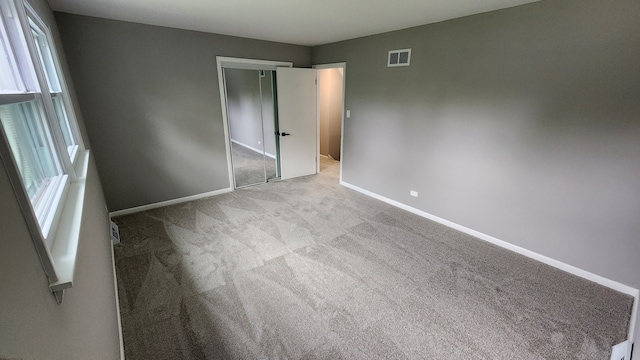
33	151
18	60
9	82
10	79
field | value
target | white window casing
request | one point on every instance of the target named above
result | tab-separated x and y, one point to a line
40	146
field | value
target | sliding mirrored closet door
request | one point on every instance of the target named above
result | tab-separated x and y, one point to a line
252	125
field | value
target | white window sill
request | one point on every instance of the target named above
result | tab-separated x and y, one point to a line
65	244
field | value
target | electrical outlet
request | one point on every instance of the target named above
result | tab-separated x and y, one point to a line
348	114
413	193
619	352
259	142
115	233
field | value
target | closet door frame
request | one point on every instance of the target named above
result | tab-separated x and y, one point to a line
238	63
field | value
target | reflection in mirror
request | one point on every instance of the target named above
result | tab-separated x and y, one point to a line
248	166
250	113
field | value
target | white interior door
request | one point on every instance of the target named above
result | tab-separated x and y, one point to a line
297	121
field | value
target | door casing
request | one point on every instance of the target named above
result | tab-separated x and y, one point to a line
342	65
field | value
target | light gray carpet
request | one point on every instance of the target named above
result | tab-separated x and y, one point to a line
249	166
307	269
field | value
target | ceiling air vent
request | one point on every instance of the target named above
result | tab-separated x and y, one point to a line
399	57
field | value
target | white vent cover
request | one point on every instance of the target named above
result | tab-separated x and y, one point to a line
400	57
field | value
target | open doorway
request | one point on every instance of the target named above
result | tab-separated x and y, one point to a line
331	84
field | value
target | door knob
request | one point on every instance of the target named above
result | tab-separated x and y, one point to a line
285	134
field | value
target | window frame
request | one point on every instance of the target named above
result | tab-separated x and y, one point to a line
63	94
55	235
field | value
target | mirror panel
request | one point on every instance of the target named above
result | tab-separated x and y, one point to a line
244	114
252	125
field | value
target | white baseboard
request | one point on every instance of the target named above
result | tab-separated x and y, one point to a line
169	202
253	149
634	320
528	253
115	284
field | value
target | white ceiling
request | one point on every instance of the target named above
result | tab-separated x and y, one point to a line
304	22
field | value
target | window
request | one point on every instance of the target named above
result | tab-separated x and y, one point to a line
34	155
55	90
40	146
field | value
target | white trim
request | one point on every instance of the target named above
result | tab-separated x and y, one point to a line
253	149
53	209
7	99
231	62
522	251
633	321
343	66
169	202
64	250
119	318
251	64
225	123
318	106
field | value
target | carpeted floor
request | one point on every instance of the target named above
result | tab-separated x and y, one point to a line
249	166
307	269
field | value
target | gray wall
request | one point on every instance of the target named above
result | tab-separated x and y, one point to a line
151	104
522	123
32	324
